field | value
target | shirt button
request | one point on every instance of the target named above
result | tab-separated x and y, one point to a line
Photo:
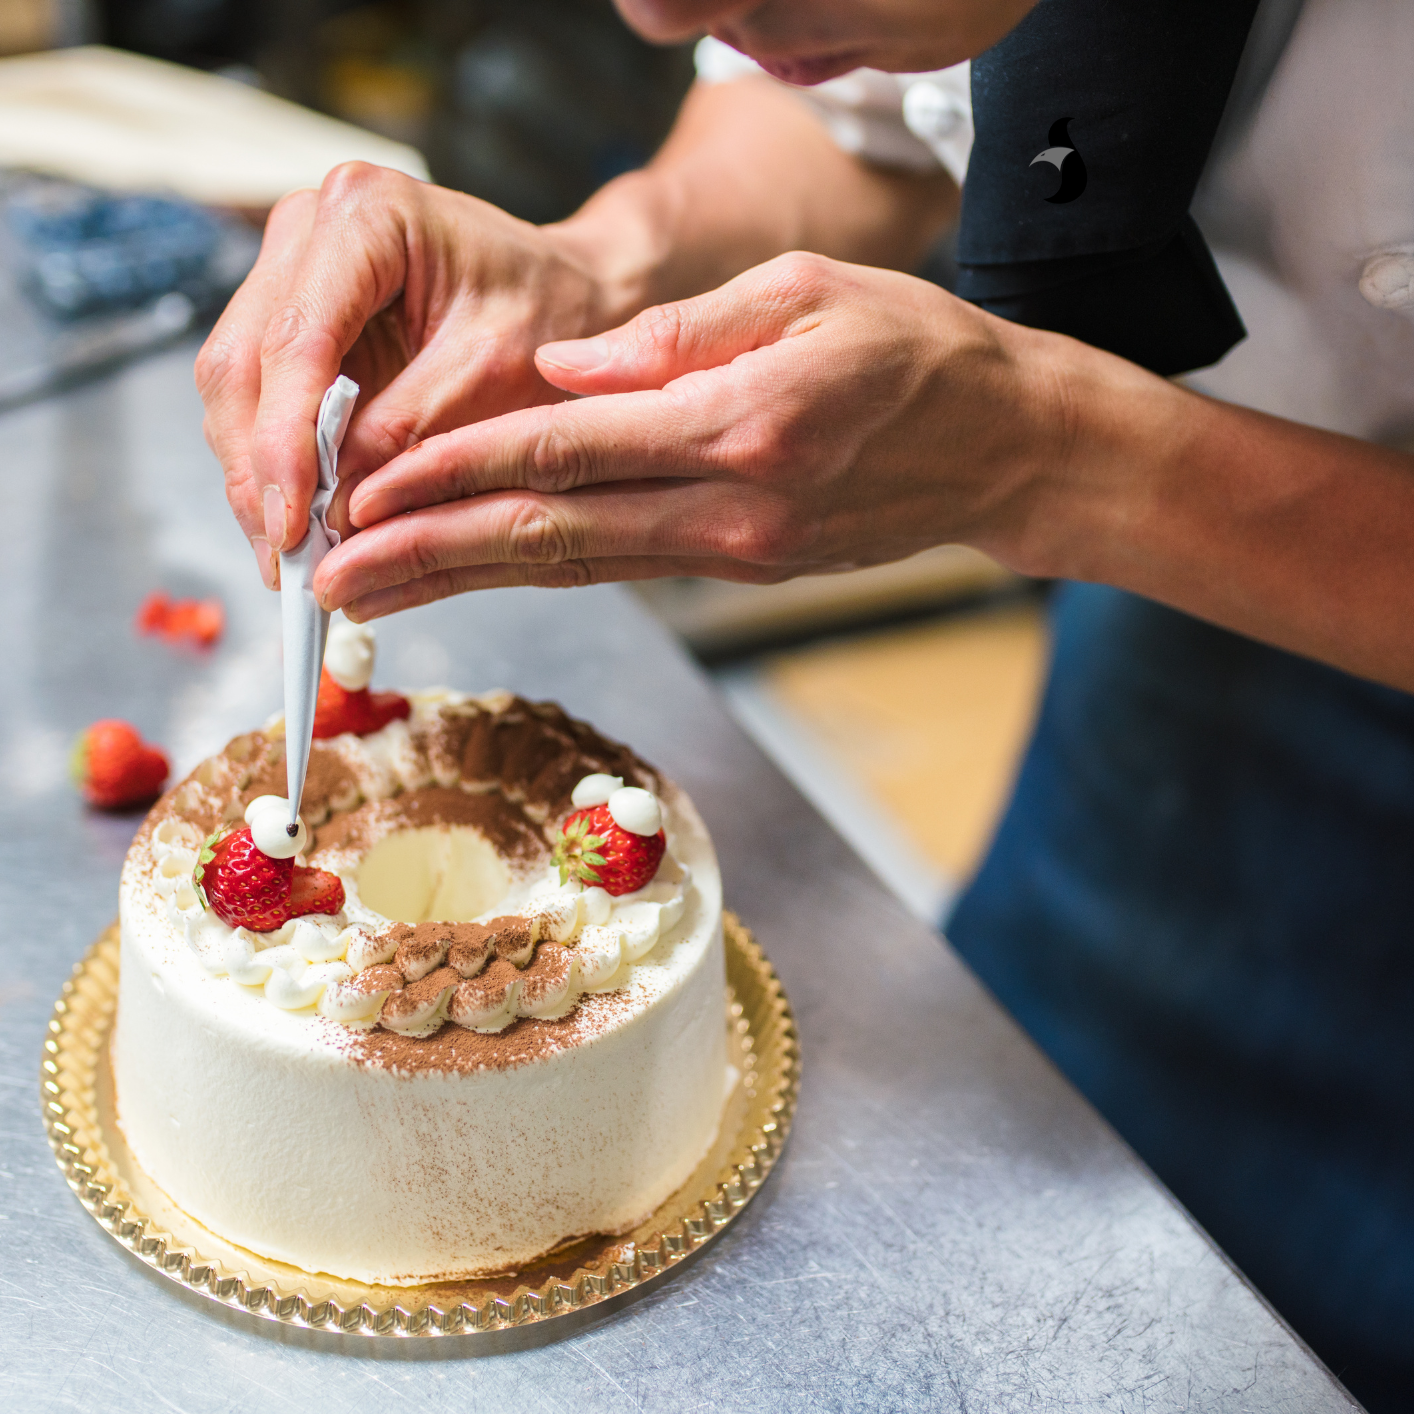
1387	281
931	113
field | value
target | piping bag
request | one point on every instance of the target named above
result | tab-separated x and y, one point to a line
304	624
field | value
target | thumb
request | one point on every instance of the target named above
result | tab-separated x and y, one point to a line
352	266
758	308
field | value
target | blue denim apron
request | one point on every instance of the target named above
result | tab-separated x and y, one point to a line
1201	904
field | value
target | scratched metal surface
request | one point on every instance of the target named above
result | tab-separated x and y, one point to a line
951	1227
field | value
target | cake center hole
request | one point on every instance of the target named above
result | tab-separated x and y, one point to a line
450	873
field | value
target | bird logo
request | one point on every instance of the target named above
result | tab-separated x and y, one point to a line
1066	160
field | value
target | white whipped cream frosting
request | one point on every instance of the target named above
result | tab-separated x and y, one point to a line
633	809
269	819
636	810
349	654
312	961
595	790
278	1130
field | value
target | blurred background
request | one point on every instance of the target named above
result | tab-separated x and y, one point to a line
142	142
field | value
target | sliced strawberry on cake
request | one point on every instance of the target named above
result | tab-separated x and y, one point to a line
247	887
241	884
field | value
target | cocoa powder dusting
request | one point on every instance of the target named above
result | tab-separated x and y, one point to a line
266	768
464	946
379	978
480	1000
418	1001
547	976
515	938
471	947
527	747
501	821
456	1051
421	947
534	750
431	987
480	758
328	780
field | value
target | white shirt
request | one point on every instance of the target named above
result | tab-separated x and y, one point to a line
1310	211
1308	204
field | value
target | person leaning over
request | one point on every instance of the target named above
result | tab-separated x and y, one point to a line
1200	900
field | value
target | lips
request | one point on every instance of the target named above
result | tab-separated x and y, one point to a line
805	72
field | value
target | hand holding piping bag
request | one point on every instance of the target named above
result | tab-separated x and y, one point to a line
305	625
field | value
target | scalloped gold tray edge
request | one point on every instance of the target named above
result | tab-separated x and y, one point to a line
598	1272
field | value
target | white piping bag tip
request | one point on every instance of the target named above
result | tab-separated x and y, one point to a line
304	624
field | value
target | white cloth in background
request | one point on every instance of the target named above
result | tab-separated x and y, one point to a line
917	122
123	121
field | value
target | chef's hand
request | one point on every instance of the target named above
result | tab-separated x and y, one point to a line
433	302
808	416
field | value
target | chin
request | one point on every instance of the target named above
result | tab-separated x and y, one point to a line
805	70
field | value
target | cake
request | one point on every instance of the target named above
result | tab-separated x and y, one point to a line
492	1045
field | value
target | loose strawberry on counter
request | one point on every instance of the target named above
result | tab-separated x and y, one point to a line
345	704
115	768
616	841
200	621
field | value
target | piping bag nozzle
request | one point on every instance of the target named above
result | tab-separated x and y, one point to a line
304	624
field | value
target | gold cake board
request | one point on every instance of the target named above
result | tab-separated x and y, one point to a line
571	1287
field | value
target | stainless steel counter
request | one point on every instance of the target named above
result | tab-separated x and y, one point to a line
951	1227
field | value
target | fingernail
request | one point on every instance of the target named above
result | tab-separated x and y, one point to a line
269	565
357	503
274	504
357	583
575	355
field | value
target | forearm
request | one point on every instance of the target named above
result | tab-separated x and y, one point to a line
1288	534
746	174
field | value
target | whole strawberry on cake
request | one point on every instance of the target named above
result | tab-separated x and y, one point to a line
472	1009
